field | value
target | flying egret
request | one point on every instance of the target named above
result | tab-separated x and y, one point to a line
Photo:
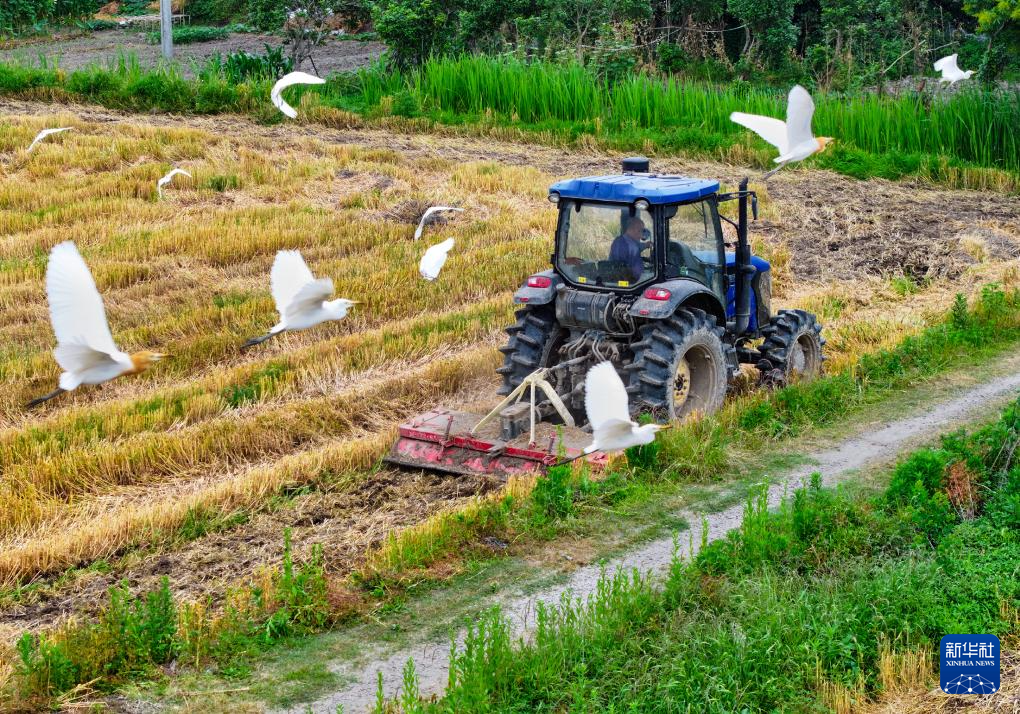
289	80
300	298
168	178
950	70
44	133
429	212
434	259
85	348
605	401
793	138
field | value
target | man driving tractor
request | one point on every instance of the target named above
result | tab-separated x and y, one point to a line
628	246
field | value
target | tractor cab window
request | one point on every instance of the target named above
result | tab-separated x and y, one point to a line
606	245
693	250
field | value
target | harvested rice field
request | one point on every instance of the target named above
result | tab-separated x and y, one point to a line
194	469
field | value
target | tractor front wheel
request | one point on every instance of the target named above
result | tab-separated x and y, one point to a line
792	349
680	366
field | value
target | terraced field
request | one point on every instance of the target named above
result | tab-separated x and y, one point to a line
194	469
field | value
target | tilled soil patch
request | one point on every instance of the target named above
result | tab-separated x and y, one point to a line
347	523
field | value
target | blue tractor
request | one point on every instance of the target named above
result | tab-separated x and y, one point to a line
642	276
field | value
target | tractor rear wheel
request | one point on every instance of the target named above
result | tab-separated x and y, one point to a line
792	349
534	340
680	366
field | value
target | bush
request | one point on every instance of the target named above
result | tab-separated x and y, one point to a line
75	9
238	67
215	12
553	495
266	15
672	57
190	34
413	30
16	15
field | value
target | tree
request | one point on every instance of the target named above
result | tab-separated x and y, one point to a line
306	28
1000	20
769	31
415	29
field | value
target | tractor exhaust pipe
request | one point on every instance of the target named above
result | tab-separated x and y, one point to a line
744	269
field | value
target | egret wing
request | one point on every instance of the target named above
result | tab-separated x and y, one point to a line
947	65
428	213
605	397
290	80
771	130
78	357
434	259
44	133
800	110
76	308
310	297
290	273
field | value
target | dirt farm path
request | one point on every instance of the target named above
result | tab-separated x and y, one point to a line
840	462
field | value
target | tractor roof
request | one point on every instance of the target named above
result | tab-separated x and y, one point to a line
626	188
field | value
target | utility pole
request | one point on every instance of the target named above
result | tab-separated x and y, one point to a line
166	29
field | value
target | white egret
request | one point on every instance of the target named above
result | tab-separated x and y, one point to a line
951	72
300	298
434	259
44	133
289	80
425	216
85	348
168	178
605	401
793	138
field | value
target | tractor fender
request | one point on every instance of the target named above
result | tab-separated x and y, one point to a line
681	292
527	295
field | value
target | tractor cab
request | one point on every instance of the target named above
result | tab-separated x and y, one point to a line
626	231
633	232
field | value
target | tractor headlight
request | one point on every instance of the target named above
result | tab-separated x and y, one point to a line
554	197
641	204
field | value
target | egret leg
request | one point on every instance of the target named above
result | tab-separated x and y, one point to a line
259	340
771	173
45	398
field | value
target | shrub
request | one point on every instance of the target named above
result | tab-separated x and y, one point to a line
16	15
215	12
671	57
240	66
189	34
266	15
75	9
553	495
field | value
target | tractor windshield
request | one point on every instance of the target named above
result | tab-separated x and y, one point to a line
605	244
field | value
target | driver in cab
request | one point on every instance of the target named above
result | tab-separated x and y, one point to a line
628	246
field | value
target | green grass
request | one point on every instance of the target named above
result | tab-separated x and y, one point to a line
967	139
135	634
758	620
189	34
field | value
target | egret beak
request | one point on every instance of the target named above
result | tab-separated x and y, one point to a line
162	355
